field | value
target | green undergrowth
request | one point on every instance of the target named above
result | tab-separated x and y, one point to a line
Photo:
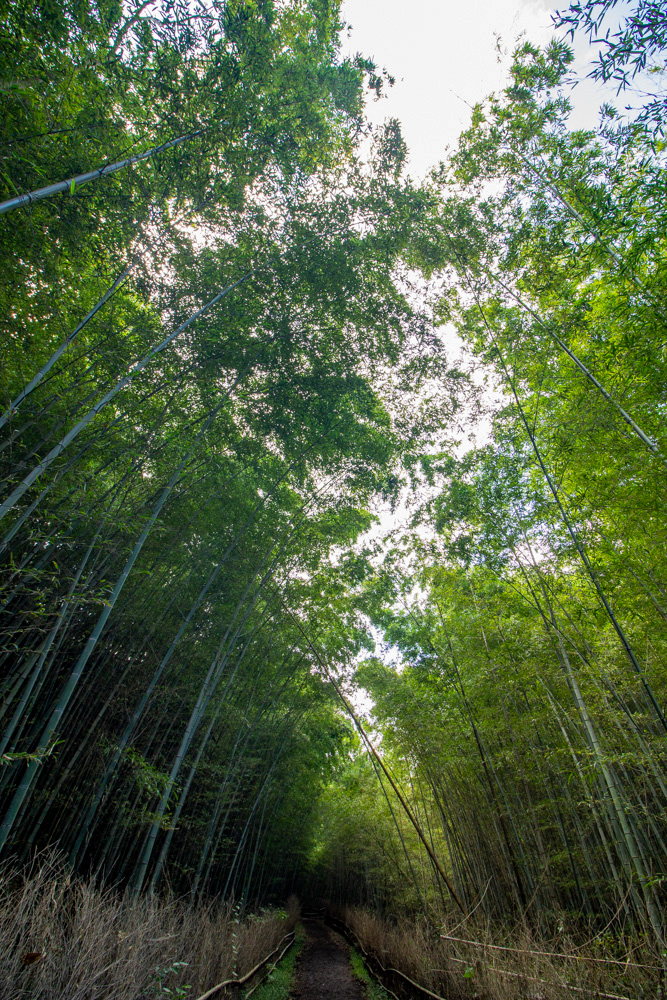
372	989
278	984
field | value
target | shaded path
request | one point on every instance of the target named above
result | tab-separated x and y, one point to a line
324	971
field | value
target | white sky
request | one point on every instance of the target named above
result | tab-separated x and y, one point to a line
445	58
443	55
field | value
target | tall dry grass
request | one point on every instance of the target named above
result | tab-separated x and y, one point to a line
602	967
63	938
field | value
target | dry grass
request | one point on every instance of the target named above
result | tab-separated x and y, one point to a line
62	938
453	969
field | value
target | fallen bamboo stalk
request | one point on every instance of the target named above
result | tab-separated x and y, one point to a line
417	986
248	975
544	982
552	954
560	986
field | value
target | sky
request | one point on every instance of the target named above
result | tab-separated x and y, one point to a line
444	56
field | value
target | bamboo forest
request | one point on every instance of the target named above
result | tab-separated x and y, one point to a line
333	512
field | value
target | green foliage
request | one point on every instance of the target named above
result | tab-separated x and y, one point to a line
216	373
38	756
279	983
372	989
514	708
627	49
162	974
208	378
146	777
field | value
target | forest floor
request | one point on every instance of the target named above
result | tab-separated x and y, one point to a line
324	971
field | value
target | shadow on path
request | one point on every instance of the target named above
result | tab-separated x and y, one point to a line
324	971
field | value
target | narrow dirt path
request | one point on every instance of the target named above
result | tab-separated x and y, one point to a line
324	972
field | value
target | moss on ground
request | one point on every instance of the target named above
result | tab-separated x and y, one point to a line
278	984
372	988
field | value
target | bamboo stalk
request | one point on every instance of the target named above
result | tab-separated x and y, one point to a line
45	369
138	367
74	182
551	954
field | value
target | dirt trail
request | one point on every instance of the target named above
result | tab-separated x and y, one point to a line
324	972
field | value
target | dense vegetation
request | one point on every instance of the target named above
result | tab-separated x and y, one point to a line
221	362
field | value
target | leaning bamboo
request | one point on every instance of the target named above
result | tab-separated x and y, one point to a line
72	183
138	367
46	368
54	720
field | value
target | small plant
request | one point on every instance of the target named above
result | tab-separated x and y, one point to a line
236	924
162	972
279	983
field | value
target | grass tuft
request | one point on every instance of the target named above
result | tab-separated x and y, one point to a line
372	989
279	982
